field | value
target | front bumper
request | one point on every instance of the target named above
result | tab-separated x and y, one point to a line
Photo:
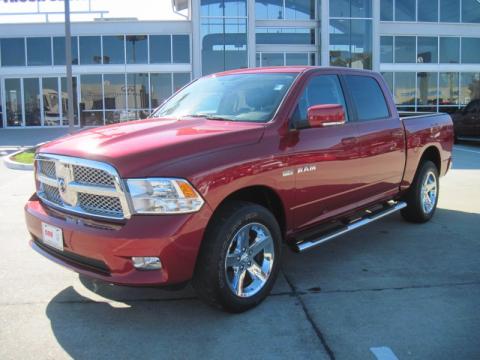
103	250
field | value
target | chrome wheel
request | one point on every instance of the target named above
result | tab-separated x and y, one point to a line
249	260
429	192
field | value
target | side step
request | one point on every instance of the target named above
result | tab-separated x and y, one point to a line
308	244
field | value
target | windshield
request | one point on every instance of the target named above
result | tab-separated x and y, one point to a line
236	97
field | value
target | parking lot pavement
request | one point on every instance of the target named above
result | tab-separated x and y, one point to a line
391	289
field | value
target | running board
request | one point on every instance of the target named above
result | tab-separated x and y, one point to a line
308	244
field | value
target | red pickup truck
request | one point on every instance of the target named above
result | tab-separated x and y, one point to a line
226	171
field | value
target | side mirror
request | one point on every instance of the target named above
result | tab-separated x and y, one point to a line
325	115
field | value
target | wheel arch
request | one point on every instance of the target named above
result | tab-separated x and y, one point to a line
433	154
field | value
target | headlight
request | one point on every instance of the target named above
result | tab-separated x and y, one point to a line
163	196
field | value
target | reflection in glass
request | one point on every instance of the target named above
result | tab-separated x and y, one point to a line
405	10
471	50
427	10
386	49
469	87
13	51
299	9
114	49
470	11
386	10
224	44
64	92
51	102
219	8
449	50
404	88
297	59
351	43
59	50
90	50
427	89
91	103
351	8
181	48
271	35
114	97
1	108
39	51
449	10
160	49
138	98
13	102
427	49
448	92
405	49
160	88
272	59
388	76
31	98
180	80
137	49
269	10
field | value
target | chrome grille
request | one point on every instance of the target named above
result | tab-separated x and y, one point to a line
81	186
88	175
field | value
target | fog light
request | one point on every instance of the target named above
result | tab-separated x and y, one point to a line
146	263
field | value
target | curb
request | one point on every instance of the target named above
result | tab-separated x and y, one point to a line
9	163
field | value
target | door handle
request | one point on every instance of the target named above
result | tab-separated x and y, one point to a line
349	140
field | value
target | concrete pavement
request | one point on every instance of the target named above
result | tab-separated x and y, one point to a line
411	289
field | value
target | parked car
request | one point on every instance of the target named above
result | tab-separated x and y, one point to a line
466	122
226	171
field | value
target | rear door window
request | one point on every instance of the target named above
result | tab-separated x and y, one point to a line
322	89
367	97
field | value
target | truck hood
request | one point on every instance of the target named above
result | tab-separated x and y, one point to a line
136	148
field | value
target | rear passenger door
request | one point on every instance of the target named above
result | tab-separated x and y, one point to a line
380	138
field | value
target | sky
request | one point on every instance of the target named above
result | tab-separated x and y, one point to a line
31	11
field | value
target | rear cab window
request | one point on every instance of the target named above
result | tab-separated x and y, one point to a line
367	97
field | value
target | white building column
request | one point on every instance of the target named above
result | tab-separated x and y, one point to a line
251	50
375	35
196	39
324	32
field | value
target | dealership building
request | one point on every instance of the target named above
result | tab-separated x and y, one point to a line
129	56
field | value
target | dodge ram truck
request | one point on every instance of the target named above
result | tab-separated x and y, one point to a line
230	168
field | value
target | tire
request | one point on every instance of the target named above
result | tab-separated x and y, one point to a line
420	205
230	274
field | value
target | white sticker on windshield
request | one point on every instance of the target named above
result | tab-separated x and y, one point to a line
278	87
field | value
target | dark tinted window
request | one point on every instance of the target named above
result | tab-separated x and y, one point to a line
449	10
181	48
367	97
323	89
114	49
59	50
90	50
13	52
160	49
470	50
137	49
449	50
39	51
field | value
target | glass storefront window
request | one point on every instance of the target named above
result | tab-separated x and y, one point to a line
160	49
219	8
272	59
470	11
351	8
31	98
405	49
114	97
13	102
138	95
39	51
1	109
386	49
181	49
386	10
91	103
180	80
293	36
448	92
51	102
449	10
299	9
469	87
160	88
471	50
388	76
13	51
404	89
405	10
269	10
351	43
114	49
427	89
90	50
296	59
427	10
137	49
64	98
427	49
449	50
59	50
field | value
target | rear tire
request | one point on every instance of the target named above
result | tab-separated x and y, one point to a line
240	257
422	197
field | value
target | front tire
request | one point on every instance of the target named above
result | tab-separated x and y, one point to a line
422	197
240	257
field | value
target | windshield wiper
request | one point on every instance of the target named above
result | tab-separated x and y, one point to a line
209	117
